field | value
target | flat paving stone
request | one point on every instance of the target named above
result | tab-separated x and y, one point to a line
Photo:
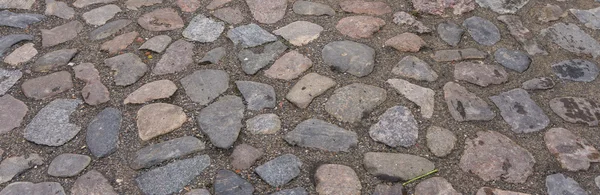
230	15
558	184
571	38
403	18
312	8
221	121
61	34
293	191
108	29
503	6
9	79
309	87
458	55
94	92
538	83
214	4
68	165
450	33
465	105
178	56
280	171
318	134
435	7
102	134
337	179
349	57
576	110
435	185
47	86
406	42
128	68
93	182
252	62
214	56
423	97
359	27
576	70
203	29
59	9
164	19
119	43
51	125
482	31
157	119
16	4
512	59
480	74
382	189
520	111
396	166
244	156
289	66
54	60
365	7
396	127
188	5
250	35
228	183
300	32
14	166
267	11
157	43
415	68
493	157
21	55
495	191
352	102
136	4
19	20
18	188
518	31
440	141
258	96
155	90
203	86
573	152
9	40
12	113
85	3
157	153
590	18
198	192
172	177
100	15
550	13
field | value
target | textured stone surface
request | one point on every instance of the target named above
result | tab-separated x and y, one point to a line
244	156
359	27
85	3
151	91
198	192
92	182
280	171
175	148
267	11
550	13
172	177
494	191
102	134
512	59
558	184
312	8
21	55
203	86
19	20
573	152
47	86
54	60
68	165
119	43
51	126
136	4
315	133
423	97
309	87
252	62
229	183
522	34
221	121
177	58
437	7
18	188
479	73
538	83
450	33
61	34
440	141
11	114
300	32
571	38
435	185
159	118
108	29
258	96
576	70
213	56
406	42
365	7
250	35
337	179
9	40
503	6
590	18
352	102
157	43
576	110
520	111
403	18
16	4
482	31
188	5
100	15
396	166
396	127
465	105
349	57
8	78
458	55
163	19
230	15
203	29
382	189
293	191
13	166
216	4
128	68
289	66
94	92
415	68
263	124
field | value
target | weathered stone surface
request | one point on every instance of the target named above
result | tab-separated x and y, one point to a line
576	70
494	191
94	92
68	165
337	179
61	34
503	6
538	83
280	171
396	127
440	141
403	18
163	19
51	126
550	13
512	59
135	4
252	63
493	156
85	3
198	192
479	73
300	32
289	66
100	15
315	133
47	86
151	91
558	184
214	4
396	166
108	29
203	29
258	96
571	38
293	191
9	78
312	8
415	68
458	55
346	56
520	111
177	58
423	97
229	183
119	43
365	7
436	185
309	87
406	42
590	18
19	20
522	34
18	188
157	43
465	105
92	182
382	189
102	134
175	148
87	72
573	152
352	102
128	68
244	156
54	60
16	4
21	55
576	110
9	40
450	33
229	15
482	31
13	166
267	11
11	114
437	7
213	56
221	121
203	86
359	27
172	177
188	5
158	119
250	35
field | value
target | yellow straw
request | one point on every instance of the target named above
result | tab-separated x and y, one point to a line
419	177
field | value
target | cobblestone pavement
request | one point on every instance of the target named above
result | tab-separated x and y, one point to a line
292	97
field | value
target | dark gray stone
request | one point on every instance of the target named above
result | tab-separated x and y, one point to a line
318	134
520	111
19	20
450	33
54	60
538	83
503	6
293	191
128	67
9	40
51	126
172	177
203	29
576	110
465	105
590	18
576	70
346	56
353	102
559	184
396	127
229	183
252	63
244	156
20	188
571	38
13	166
250	35
396	166
258	96
177	58
573	152
512	59
213	56
415	68
280	171
61	34
312	8
175	148
522	34
203	86
92	182
482	31
102	133
479	73
68	165
8	78
108	29
157	43
222	121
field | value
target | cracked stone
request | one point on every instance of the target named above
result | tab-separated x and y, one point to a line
458	55
252	63
94	92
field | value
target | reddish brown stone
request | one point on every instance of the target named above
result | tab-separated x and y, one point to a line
359	26
267	11
188	5
364	7
406	42
119	43
289	66
47	86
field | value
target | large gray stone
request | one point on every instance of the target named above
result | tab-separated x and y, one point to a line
559	184
318	134
68	165
203	29
13	166
9	79
19	20
213	56
450	33
482	31
258	96
396	127
229	183
11	114
250	35
520	111
349	57
172	177
576	70
222	121
252	63
590	18
465	105
396	166
203	86
177	58
108	29
128	68
59	9
102	133
479	73
280	171
263	124
54	60
51	126
100	15
9	40
19	188
157	43
175	148
415	68
353	102
571	38
512	59
61	34
92	182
